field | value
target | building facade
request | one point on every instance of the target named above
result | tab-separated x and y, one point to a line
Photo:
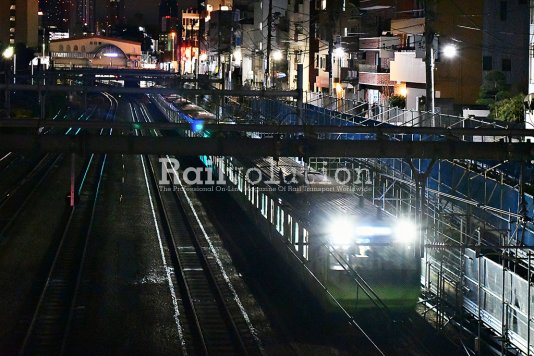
95	52
85	17
529	99
505	41
57	14
115	13
19	22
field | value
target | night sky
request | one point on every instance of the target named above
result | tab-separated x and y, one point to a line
148	8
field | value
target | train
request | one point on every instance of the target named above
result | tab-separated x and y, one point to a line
346	251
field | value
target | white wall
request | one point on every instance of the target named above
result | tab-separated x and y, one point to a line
406	68
411	97
477	113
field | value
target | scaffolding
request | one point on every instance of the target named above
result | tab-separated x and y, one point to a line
475	230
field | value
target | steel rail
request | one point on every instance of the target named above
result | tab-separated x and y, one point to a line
184	281
52	316
16	199
18	196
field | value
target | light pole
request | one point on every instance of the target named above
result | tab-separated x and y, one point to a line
277	56
449	51
238	62
339	52
173	35
8	54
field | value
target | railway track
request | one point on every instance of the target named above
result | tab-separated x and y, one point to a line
17	197
215	321
6	160
49	327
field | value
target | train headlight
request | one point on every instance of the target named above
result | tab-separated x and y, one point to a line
405	231
341	233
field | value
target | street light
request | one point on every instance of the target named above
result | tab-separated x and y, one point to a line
8	54
450	51
276	56
173	35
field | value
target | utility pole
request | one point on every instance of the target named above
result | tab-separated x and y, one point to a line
266	79
330	62
333	8
429	56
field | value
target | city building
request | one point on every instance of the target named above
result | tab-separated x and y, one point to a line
179	36
57	15
85	17
95	52
19	22
505	41
219	39
63	18
529	99
249	39
115	13
457	79
168	25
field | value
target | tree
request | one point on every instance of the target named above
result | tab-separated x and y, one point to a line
509	109
493	89
398	101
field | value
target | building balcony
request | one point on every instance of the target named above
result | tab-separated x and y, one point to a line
384	45
371	68
376	79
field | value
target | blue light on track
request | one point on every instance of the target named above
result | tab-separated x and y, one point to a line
197	125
